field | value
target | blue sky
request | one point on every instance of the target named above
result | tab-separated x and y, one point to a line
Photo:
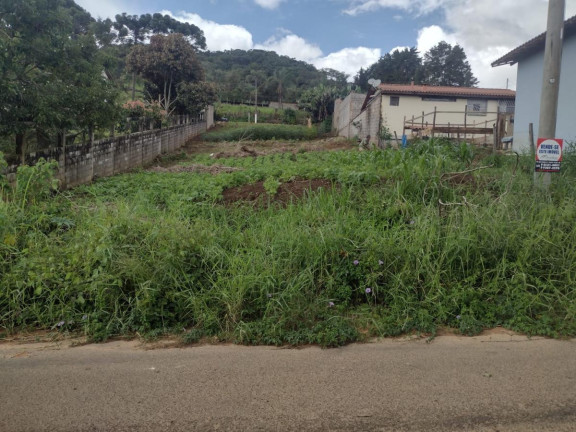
349	34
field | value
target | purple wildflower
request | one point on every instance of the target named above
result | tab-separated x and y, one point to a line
330	304
356	262
368	290
458	317
380	262
61	323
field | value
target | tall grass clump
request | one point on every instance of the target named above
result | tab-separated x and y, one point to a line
260	132
404	241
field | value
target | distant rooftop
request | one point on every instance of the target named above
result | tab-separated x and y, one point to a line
534	45
426	90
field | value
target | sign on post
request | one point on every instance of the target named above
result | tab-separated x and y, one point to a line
549	154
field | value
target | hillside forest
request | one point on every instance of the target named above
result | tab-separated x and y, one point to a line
66	77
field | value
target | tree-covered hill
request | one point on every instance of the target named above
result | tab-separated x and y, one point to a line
278	78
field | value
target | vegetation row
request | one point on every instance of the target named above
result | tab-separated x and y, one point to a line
407	241
260	132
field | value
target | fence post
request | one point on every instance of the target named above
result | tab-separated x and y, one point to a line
404	128
466	121
434	123
531	135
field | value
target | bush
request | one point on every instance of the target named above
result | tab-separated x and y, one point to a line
261	132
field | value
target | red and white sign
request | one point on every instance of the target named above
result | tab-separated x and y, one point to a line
549	154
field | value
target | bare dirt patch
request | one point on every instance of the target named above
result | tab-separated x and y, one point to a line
256	194
195	168
262	148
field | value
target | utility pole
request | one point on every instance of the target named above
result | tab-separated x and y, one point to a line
551	79
256	101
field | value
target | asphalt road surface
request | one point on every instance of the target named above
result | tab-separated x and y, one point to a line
495	382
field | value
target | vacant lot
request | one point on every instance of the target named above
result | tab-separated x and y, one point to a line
278	242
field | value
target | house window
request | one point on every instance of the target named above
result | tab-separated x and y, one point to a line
506	106
477	107
438	99
394	100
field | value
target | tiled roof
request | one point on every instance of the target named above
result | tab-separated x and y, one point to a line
425	90
534	45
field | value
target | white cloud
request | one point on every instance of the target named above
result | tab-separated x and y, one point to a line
431	36
486	29
219	37
268	4
103	8
349	60
292	46
419	6
480	59
222	37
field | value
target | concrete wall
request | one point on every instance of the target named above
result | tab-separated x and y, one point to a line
529	91
285	105
368	122
344	113
80	164
209	116
393	116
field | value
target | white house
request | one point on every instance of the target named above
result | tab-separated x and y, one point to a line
453	105
530	59
410	109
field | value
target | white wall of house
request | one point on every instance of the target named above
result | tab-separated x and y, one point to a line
529	91
393	116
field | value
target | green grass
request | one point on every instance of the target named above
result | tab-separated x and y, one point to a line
375	256
260	132
265	114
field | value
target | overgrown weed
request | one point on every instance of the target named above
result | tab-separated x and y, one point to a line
378	256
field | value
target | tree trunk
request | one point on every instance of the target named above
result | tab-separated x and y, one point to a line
21	147
133	85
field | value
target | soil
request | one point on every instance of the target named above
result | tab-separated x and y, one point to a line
256	194
194	168
261	148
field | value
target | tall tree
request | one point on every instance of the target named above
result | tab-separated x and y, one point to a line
445	65
195	97
166	62
50	74
319	102
134	29
361	80
398	67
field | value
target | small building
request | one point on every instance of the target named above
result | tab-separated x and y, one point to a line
530	60
421	110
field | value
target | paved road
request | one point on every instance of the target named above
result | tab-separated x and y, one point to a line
496	382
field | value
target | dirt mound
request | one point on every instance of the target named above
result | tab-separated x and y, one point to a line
256	194
195	168
243	152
